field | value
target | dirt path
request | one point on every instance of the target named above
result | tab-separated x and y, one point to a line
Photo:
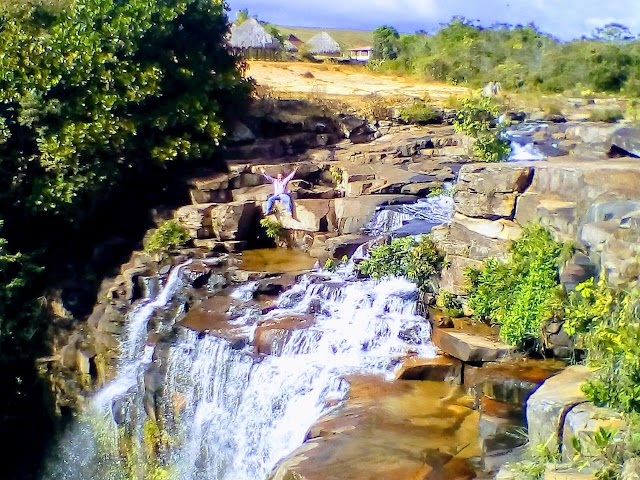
343	80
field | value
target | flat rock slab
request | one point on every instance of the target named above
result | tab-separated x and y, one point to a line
470	347
397	430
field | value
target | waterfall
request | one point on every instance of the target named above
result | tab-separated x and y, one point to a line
414	218
232	414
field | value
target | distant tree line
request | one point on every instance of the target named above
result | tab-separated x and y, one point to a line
100	101
519	57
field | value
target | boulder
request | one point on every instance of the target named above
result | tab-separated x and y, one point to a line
311	215
233	221
443	368
548	405
626	140
585	420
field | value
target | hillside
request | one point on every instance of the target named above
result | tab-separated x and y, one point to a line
346	38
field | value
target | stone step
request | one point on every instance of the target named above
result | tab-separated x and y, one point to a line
470	347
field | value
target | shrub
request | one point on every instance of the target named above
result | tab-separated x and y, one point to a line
491	148
613	344
272	229
476	115
517	294
168	236
450	304
420	113
336	174
418	260
606	115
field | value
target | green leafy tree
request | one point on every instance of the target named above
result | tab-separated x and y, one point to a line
614	32
109	89
385	43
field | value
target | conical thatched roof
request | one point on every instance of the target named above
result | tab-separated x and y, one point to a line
250	34
323	44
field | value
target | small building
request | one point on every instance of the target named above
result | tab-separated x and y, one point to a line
251	40
290	47
295	41
322	45
361	54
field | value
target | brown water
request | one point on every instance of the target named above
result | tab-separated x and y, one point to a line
399	430
275	260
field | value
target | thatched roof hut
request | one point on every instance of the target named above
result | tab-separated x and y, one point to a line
251	39
323	44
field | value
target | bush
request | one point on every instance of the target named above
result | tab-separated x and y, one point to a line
272	229
476	116
490	147
404	257
168	236
450	304
612	322
517	294
606	115
420	113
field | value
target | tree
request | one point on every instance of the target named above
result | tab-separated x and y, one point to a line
614	32
385	43
242	16
114	88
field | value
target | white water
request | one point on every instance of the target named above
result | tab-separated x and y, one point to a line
242	414
231	414
431	210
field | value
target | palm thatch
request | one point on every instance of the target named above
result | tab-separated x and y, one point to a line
251	35
323	44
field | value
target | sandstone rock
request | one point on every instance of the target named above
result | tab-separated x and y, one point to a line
311	215
270	336
440	369
582	422
631	469
548	405
345	245
489	206
500	178
469	347
233	221
627	140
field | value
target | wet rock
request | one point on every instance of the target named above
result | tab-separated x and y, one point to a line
440	369
271	336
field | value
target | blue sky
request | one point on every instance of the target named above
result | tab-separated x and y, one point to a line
564	19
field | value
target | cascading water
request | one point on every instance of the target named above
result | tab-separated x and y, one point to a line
232	414
414	218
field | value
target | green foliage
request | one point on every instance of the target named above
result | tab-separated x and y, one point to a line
385	43
476	115
588	305
606	115
517	294
536	461
272	229
420	113
418	260
168	236
613	344
490	147
519	57
336	174
450	303
106	90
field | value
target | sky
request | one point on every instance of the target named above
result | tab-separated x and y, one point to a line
563	19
